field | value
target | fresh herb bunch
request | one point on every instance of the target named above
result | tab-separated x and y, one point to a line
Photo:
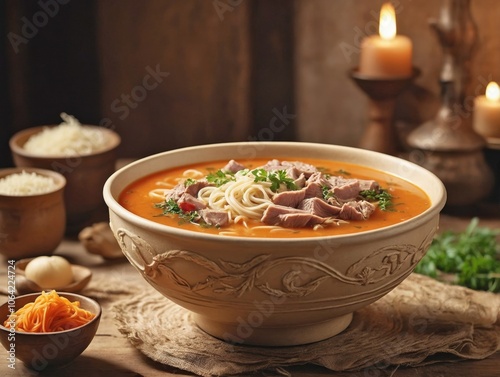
277	178
382	196
471	258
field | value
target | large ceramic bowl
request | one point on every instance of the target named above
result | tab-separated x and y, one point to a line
268	291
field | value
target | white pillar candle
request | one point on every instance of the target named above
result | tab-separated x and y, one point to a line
487	112
386	55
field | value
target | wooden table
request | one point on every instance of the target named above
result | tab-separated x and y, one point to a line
110	354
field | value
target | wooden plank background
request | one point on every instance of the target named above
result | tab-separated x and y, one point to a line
232	65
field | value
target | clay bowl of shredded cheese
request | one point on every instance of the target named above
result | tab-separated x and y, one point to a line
32	212
84	154
48	329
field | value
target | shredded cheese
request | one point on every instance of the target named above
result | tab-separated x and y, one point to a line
24	184
69	138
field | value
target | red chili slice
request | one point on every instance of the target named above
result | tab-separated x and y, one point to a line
187	207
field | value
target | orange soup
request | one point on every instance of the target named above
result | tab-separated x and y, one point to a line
407	200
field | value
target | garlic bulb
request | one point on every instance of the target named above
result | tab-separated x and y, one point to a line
49	272
99	239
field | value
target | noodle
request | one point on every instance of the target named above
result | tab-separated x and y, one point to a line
157	194
242	197
49	313
193	173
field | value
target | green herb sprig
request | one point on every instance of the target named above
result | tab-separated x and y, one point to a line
342	172
189	182
470	258
381	196
220	178
277	178
326	192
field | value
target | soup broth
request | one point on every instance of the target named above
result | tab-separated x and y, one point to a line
408	200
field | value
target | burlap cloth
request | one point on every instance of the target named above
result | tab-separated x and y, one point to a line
422	321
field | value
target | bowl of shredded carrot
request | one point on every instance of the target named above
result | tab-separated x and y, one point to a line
48	329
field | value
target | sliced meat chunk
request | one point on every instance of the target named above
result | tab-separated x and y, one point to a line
314	190
300	182
332	200
319	207
318	178
233	167
364	184
214	217
293	172
188	202
293	169
289	217
195	187
273	165
289	198
302	167
360	210
340	181
348	191
368	184
176	192
274	211
180	189
299	220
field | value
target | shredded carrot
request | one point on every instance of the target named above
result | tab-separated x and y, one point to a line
48	313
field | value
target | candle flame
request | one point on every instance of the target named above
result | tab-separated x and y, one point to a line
387	24
493	91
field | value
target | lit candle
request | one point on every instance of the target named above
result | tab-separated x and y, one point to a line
388	55
487	112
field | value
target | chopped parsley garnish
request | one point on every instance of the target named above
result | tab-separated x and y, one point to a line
327	192
324	170
470	258
383	197
170	207
189	182
277	178
342	172
220	178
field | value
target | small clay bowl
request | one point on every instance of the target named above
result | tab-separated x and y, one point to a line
82	276
85	174
32	225
39	351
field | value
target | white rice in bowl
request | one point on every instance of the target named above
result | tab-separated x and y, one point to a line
69	138
25	184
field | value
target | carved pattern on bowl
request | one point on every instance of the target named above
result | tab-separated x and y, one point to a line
238	278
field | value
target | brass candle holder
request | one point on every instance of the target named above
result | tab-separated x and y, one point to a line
447	145
380	133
